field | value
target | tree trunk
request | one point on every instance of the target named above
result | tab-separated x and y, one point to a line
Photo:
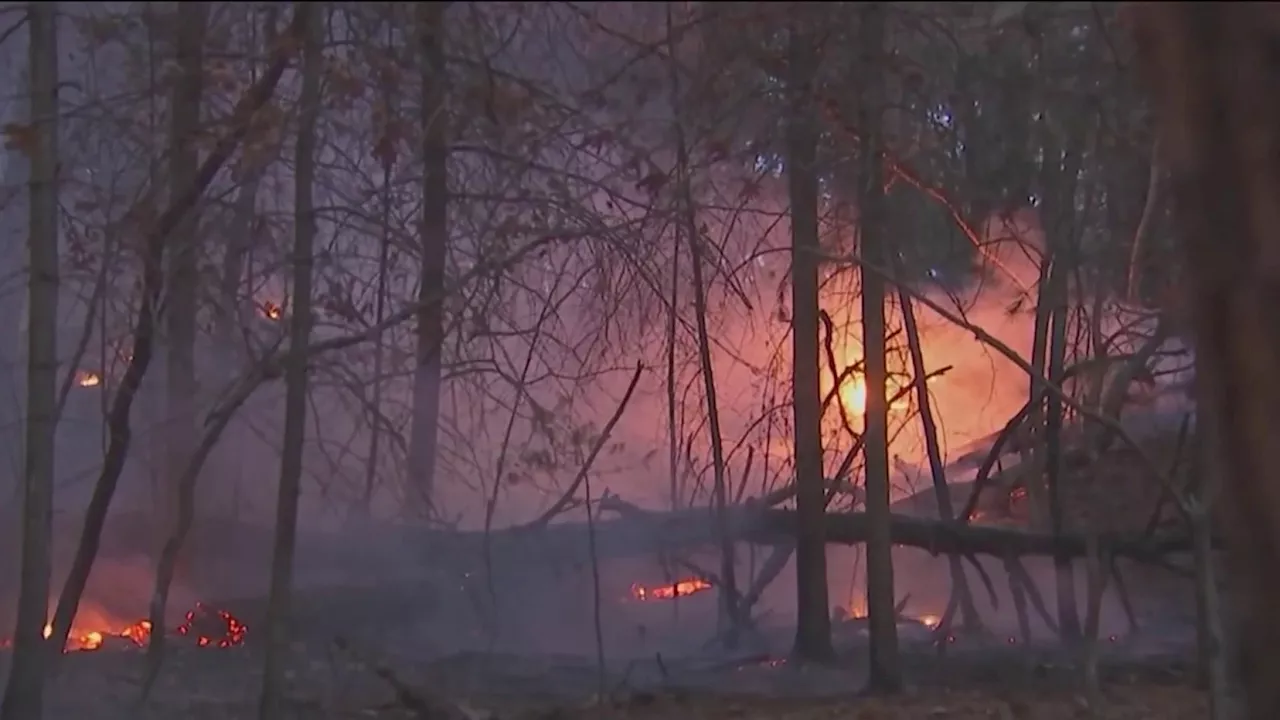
813	624
434	240
184	273
1064	571
885	674
387	142
1217	91
295	420
24	693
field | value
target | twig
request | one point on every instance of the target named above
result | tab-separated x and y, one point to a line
563	502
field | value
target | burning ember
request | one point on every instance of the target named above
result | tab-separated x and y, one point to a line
687	586
217	628
88	378
271	311
208	628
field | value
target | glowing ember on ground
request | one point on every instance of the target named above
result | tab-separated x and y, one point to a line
88	378
271	311
930	621
212	628
687	586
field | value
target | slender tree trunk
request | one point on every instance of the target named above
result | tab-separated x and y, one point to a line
1059	200
295	421
1064	571
24	693
380	301
434	240
813	624
885	673
184	273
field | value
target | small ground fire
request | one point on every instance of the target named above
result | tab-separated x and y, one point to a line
688	586
205	626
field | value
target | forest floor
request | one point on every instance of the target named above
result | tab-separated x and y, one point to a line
992	682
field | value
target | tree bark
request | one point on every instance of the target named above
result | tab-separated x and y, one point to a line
885	673
1216	84
434	242
295	420
24	693
813	624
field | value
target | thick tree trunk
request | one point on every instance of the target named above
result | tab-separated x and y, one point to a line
813	624
24	693
1216	84
434	241
300	320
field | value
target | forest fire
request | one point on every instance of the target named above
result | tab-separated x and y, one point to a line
206	627
688	586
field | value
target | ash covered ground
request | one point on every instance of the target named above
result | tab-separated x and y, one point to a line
1144	676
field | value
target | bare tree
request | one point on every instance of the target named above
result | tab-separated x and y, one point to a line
300	321
119	425
24	693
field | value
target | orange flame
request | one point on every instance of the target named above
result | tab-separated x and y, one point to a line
687	586
88	378
271	311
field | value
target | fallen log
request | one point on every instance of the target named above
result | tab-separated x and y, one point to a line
400	553
641	532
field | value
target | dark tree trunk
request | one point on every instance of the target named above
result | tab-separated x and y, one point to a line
813	624
1216	82
885	674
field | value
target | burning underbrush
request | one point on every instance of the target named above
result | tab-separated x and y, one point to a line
680	588
202	626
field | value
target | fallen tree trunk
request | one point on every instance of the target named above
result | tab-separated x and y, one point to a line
400	552
641	532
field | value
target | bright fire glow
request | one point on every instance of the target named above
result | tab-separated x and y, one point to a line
853	392
687	586
930	621
271	311
88	378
